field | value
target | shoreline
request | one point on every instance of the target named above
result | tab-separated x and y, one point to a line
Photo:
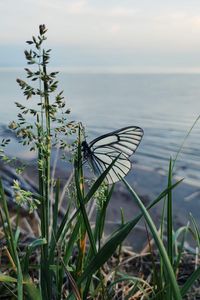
148	184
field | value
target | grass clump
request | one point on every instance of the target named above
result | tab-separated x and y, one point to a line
68	260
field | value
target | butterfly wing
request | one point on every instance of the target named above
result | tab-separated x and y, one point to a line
121	143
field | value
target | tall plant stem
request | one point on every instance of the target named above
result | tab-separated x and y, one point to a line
45	186
47	152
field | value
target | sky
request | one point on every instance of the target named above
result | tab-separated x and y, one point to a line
109	35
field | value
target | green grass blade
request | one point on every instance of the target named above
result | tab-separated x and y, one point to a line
55	223
84	213
67	254
32	291
62	227
16	236
169	225
55	209
184	231
7	225
31	247
73	283
159	243
117	238
71	242
196	230
107	250
100	217
184	140
162	228
134	279
169	217
11	241
190	281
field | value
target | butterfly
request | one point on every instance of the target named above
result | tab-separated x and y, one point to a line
103	150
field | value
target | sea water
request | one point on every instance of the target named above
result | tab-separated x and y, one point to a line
164	105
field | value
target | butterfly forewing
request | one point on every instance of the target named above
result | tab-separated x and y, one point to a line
121	143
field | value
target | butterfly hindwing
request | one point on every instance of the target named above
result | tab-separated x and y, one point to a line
121	143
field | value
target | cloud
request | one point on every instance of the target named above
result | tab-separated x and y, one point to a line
186	19
121	11
124	27
78	7
115	29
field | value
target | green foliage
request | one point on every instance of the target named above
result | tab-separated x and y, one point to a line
24	198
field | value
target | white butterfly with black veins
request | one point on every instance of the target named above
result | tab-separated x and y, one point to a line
121	143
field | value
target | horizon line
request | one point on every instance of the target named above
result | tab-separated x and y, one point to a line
109	70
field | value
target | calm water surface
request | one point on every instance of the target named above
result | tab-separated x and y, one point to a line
165	106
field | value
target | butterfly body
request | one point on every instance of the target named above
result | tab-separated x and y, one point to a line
86	150
103	150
